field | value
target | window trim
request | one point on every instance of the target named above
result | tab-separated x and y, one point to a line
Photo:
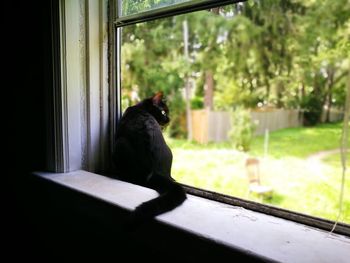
172	10
192	6
61	131
77	118
55	137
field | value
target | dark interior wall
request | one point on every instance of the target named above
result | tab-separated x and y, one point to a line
26	37
31	46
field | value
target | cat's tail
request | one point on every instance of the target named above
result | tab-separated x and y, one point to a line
171	195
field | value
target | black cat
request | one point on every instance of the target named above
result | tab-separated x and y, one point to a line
142	156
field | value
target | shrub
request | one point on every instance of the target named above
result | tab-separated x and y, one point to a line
177	126
243	127
312	107
197	103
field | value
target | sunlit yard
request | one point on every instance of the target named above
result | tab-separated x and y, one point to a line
300	142
301	182
247	68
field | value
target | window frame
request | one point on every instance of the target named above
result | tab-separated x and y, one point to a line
179	9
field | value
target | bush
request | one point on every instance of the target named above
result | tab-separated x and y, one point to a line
197	103
312	107
243	127
177	126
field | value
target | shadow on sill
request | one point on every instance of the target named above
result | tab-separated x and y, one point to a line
64	224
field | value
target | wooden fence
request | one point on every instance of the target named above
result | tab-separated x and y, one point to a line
213	126
275	119
335	115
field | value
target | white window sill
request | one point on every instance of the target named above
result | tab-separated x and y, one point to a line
256	233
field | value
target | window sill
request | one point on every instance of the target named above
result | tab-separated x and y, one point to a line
254	233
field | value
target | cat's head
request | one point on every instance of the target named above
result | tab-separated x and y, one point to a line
159	109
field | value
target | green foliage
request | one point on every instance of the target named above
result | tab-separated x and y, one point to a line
242	131
312	109
135	6
282	53
197	103
339	95
177	126
151	63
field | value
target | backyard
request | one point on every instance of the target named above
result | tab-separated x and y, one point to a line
302	166
231	72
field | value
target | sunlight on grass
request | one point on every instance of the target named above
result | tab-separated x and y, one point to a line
301	184
299	142
335	160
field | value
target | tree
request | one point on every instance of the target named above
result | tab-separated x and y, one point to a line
323	30
281	53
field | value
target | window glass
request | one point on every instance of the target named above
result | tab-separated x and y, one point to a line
265	84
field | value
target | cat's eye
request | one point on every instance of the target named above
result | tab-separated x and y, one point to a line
163	112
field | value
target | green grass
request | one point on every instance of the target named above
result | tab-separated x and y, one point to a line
296	142
335	160
299	142
299	184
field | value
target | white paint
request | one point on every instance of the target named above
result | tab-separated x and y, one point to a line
268	236
71	70
84	103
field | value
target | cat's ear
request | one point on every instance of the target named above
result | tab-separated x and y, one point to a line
157	98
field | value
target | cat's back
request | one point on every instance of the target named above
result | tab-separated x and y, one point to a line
140	146
137	122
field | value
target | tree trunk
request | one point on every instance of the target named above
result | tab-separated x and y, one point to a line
208	90
187	84
317	106
302	91
250	80
301	102
328	102
280	91
267	85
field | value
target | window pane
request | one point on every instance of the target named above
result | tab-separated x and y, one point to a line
130	7
267	83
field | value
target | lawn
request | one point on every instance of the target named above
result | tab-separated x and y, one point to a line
300	142
306	185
